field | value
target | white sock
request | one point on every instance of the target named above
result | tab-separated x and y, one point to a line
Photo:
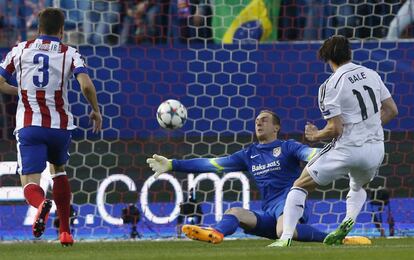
293	211
354	202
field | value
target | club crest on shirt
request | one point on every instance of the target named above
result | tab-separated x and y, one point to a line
277	151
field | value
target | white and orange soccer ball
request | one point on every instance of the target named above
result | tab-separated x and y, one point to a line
171	114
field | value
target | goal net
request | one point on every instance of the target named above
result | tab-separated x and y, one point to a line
225	60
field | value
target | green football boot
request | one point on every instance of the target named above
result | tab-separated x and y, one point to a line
281	243
336	237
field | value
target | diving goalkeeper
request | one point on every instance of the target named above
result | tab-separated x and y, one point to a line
274	163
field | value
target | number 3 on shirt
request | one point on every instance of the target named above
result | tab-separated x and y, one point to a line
42	59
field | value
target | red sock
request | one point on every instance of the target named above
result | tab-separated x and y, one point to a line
34	194
62	196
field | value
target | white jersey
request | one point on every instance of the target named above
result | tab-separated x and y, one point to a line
43	67
355	92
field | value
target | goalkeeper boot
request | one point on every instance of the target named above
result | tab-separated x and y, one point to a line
356	240
281	243
205	234
66	239
336	237
41	218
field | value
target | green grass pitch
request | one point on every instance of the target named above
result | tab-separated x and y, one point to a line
252	249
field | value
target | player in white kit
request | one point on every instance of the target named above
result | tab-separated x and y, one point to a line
355	103
42	68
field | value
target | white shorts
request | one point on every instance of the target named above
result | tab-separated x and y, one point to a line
334	161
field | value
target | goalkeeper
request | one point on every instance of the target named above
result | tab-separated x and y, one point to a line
274	164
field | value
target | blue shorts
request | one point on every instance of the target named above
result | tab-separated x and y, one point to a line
267	220
37	145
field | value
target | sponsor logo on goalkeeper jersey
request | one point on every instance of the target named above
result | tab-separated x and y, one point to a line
277	151
260	169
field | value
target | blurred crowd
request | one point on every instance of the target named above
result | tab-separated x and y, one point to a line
174	21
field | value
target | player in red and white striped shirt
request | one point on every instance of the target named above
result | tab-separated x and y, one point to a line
42	68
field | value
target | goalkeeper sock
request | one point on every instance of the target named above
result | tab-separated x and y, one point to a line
228	225
293	211
33	194
307	233
354	202
62	196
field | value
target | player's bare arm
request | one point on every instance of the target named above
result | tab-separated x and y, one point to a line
6	88
389	110
332	129
88	90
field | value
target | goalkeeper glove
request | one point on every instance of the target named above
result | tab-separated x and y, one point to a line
159	164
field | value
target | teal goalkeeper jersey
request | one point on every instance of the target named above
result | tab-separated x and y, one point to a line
274	166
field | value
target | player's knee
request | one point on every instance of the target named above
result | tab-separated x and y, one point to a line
357	190
56	169
306	182
30	178
356	187
300	183
237	212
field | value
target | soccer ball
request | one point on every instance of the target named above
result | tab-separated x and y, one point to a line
171	114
